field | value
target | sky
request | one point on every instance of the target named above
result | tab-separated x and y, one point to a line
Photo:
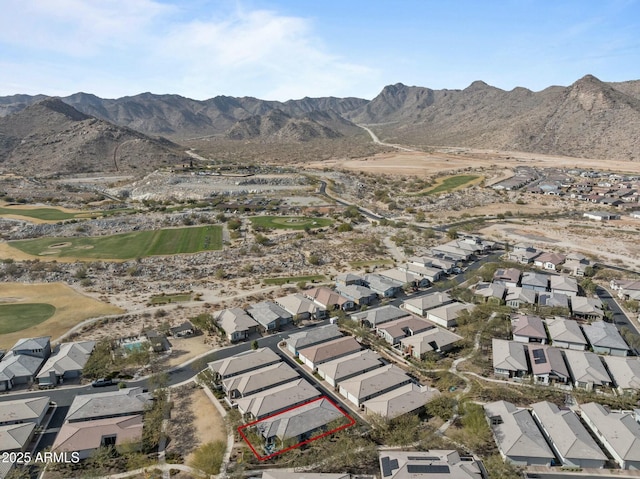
289	49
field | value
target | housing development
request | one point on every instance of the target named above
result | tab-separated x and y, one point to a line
334	307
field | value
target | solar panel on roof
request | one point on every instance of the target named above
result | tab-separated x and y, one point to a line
388	466
539	356
422	458
428	469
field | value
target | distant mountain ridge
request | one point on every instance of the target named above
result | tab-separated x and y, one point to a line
589	118
51	137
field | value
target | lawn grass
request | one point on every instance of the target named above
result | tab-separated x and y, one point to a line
16	317
70	306
125	246
449	183
293	279
52	214
170	298
290	222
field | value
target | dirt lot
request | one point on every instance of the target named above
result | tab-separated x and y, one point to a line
194	421
71	308
426	164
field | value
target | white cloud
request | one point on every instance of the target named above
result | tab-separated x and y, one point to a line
142	45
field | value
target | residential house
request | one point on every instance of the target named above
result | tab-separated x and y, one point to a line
554	300
157	341
270	316
403	400
14	438
569	439
21	363
369	385
550	261
347	367
625	373
523	253
299	424
430	274
517	435
518	297
311	337
88	436
509	358
535	281
447	315
242	363
254	381
421	304
617	431
528	329
452	251
587	308
491	292
566	285
431	464
328	299
280	474
438	340
406	277
576	264
321	353
360	295
236	323
627	289
383	286
605	338
587	370
509	277
301	308
447	266
183	330
277	399
393	331
547	365
373	317
113	418
66	363
601	215
349	279
28	410
566	334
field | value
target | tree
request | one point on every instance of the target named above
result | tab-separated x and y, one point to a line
254	344
345	227
452	233
313	259
208	457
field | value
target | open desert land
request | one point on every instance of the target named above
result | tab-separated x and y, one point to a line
454	159
70	306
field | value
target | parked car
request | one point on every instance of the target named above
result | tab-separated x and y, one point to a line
98	383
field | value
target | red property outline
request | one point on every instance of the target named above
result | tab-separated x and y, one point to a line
352	422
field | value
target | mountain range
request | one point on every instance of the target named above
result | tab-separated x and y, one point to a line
589	118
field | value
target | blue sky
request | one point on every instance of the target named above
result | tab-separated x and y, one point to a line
283	49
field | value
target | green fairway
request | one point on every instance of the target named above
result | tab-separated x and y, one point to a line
16	317
450	183
124	246
293	279
47	214
290	222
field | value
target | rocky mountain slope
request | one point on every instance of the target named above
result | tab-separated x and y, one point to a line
589	118
51	137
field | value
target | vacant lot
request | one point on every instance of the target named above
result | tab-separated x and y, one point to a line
290	222
16	317
70	307
127	245
169	298
294	279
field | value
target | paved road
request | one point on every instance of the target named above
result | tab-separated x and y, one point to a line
620	319
376	140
